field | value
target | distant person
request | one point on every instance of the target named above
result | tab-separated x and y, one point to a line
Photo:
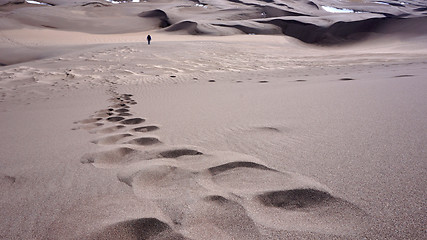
148	39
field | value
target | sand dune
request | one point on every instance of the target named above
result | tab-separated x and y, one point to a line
244	119
216	17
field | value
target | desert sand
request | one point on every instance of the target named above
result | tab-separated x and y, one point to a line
242	119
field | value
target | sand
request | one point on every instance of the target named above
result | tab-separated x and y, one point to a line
242	120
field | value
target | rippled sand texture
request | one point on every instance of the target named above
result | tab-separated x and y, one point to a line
243	119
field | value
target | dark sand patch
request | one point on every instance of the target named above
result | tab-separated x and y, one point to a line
6	179
404	76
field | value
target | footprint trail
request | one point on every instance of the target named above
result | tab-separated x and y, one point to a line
238	195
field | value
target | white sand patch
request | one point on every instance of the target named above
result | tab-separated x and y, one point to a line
36	2
338	10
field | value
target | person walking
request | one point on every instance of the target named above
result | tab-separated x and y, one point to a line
148	39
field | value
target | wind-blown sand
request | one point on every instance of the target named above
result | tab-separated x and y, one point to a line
242	120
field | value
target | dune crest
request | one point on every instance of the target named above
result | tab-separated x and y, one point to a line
309	21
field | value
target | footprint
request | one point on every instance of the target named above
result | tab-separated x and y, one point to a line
300	80
142	228
122	110
125	114
115	119
132	121
228	166
113	157
246	178
126	95
162	182
145	141
346	79
263	81
146	129
120	105
111	129
227	217
111	139
308	210
178	153
296	199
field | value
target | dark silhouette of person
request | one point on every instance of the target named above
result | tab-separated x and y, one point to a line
148	39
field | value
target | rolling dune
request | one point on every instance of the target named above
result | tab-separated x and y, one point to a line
308	21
